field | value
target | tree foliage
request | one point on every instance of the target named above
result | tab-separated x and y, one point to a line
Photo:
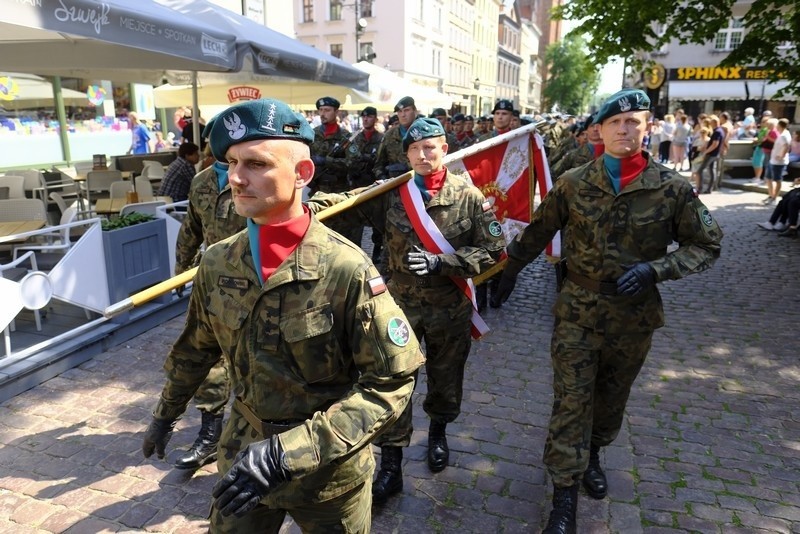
573	77
626	28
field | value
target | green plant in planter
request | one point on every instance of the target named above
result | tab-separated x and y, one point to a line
124	221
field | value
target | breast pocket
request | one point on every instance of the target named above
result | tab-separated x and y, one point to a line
586	218
311	339
228	316
652	229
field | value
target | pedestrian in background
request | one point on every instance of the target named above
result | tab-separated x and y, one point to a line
618	216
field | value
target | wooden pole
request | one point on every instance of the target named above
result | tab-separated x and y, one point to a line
371	192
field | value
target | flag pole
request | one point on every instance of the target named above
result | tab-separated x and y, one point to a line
185	277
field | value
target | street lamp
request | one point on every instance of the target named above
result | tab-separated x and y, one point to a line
361	26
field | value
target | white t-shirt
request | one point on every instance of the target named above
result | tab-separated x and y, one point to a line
781	147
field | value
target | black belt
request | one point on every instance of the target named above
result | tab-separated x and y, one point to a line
604	287
420	281
265	428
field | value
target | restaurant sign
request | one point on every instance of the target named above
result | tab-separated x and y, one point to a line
720	73
242	93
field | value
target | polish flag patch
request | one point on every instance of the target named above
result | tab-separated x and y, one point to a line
376	286
486	206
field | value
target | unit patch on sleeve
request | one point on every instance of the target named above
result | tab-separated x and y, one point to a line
376	286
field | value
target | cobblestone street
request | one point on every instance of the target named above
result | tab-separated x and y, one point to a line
710	442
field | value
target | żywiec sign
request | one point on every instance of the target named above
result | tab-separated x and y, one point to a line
243	92
720	73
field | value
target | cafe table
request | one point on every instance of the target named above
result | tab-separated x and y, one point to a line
110	206
12	228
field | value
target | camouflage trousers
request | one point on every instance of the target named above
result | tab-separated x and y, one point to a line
592	377
214	392
348	513
441	317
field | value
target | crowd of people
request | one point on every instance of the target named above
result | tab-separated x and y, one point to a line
321	344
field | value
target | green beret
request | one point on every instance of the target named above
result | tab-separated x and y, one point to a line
369	111
206	133
328	101
438	112
506	105
422	129
621	102
405	102
257	119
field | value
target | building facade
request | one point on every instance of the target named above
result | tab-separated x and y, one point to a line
688	76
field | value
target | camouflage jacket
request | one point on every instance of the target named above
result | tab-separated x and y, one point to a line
458	211
317	344
332	175
211	217
565	145
361	157
603	231
574	158
390	151
466	140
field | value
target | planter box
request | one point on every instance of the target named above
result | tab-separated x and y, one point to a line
137	257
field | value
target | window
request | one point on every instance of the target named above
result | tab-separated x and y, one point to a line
308	10
336	9
660	29
731	37
365	7
336	51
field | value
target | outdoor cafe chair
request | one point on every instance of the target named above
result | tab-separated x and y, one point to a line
15	185
144	188
120	188
146	208
52	245
98	184
22	209
12	271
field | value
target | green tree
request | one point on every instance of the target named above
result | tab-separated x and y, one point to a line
626	28
573	77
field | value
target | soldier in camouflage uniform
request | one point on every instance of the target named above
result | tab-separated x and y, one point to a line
211	217
583	153
463	139
329	152
618	216
391	160
322	358
450	138
363	151
422	283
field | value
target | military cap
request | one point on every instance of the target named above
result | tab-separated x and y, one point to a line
515	113
422	129
257	119
393	119
369	111
328	101
207	128
404	103
503	104
524	121
438	112
459	117
481	119
469	118
621	102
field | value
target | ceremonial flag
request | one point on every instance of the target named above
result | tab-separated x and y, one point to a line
507	174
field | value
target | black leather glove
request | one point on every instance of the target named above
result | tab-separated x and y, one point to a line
503	290
421	262
257	470
157	436
637	278
396	169
319	161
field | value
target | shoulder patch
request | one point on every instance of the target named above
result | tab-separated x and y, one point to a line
376	286
495	229
399	332
705	216
486	206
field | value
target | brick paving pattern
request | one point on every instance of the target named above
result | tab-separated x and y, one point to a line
710	443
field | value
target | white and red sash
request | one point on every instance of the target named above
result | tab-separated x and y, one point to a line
435	242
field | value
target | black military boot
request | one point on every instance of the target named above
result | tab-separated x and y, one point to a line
204	449
563	517
481	296
438	453
594	479
390	476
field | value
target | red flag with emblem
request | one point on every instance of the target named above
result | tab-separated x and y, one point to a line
505	174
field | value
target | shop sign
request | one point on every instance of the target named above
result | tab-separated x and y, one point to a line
243	92
96	94
721	73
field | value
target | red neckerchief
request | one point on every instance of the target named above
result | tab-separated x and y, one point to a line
501	132
461	136
277	241
330	129
368	134
599	148
435	181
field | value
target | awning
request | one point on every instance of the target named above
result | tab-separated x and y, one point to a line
726	90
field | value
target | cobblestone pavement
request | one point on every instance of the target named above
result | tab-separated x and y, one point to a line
711	441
